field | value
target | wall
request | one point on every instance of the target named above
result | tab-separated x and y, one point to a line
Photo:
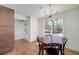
71	27
19	29
33	28
27	35
28	32
40	27
19	17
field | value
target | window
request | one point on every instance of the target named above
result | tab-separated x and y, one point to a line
54	26
47	26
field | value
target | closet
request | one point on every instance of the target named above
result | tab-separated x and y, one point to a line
6	29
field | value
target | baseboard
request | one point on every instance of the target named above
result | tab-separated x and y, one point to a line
73	51
21	39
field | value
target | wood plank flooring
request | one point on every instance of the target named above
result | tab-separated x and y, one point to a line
23	47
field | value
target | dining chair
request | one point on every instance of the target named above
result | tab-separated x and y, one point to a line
40	44
52	49
55	48
48	38
64	41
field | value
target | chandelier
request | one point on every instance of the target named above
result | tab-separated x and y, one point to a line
48	12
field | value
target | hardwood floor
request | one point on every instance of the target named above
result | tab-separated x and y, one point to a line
23	47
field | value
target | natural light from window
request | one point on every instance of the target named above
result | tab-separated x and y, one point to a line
54	27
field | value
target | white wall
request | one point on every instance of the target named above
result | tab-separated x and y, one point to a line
19	16
71	27
32	29
19	29
40	27
27	35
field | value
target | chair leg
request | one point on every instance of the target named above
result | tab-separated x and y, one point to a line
39	51
62	52
42	52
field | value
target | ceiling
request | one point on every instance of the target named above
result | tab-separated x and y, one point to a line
34	9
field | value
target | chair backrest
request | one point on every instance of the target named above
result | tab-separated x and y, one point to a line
64	41
48	38
40	40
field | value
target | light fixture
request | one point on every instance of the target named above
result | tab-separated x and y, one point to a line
48	12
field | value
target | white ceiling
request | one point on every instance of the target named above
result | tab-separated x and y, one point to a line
34	9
